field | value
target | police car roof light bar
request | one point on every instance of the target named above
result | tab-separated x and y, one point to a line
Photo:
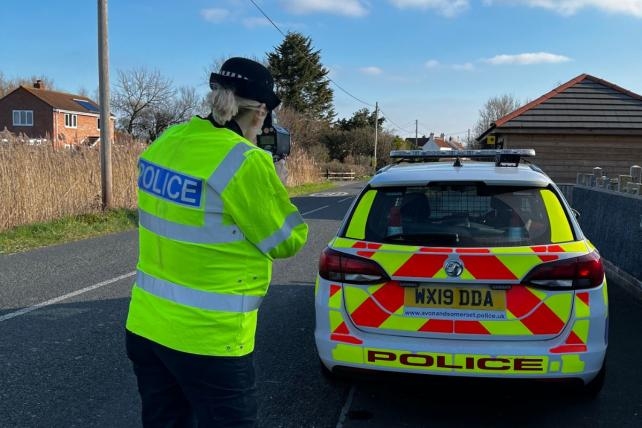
503	157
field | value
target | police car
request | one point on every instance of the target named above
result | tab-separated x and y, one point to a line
447	264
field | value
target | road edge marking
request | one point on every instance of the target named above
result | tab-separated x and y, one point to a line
64	297
345	408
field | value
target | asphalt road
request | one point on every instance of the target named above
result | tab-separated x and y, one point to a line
63	363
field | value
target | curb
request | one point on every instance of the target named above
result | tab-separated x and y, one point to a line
630	283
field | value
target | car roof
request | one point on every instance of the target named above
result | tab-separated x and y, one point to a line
413	174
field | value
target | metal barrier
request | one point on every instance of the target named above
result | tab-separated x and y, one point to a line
349	175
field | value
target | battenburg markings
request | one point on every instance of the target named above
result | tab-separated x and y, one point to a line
169	185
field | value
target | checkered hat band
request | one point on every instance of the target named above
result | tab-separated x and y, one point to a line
231	74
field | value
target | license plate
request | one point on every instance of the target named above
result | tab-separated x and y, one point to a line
448	297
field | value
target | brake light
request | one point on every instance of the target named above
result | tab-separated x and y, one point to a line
341	267
578	272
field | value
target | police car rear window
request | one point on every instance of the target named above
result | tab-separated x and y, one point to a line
462	215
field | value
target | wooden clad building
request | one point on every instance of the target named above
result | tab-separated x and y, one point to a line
584	123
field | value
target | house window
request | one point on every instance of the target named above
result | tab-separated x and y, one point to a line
98	125
23	118
71	120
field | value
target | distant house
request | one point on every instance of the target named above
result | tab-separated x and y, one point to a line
584	123
64	119
433	142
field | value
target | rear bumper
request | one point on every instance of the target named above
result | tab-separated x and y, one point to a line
466	357
459	357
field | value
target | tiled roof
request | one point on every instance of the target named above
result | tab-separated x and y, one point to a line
583	102
64	101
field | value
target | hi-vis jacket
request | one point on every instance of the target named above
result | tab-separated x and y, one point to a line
213	216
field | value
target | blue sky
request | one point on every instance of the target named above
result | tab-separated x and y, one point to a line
434	61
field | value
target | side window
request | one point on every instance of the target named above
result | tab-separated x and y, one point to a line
71	120
23	118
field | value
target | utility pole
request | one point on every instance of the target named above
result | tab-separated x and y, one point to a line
105	114
416	133
468	139
376	133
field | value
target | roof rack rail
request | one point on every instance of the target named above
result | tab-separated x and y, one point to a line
503	157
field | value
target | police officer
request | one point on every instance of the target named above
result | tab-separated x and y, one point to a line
213	215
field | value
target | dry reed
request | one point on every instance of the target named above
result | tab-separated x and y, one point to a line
39	183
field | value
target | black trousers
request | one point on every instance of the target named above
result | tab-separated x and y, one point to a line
187	390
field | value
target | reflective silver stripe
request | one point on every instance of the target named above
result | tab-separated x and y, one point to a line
228	167
197	298
213	230
292	221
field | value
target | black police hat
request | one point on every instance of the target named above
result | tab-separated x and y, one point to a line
248	79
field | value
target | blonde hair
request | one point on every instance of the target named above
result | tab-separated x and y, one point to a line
225	105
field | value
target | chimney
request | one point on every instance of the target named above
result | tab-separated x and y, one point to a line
38	84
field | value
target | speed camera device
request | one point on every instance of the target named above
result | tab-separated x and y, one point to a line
274	138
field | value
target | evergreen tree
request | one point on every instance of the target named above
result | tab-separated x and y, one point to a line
360	119
301	80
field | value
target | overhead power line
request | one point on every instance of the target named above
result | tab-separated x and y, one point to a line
307	59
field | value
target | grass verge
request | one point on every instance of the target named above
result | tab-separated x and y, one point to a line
28	237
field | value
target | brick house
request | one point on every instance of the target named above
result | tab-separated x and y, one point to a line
65	119
585	123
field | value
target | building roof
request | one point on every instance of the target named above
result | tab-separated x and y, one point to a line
437	143
585	102
64	101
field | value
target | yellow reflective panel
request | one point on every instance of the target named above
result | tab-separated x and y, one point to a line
341	243
391	262
560	227
402	323
506	328
335	299
582	310
335	320
357	226
348	353
561	305
572	363
575	247
520	264
316	286
555	366
605	294
581	329
354	298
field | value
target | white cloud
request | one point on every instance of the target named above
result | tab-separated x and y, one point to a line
256	21
445	7
431	63
215	14
570	7
463	67
528	59
337	7
373	71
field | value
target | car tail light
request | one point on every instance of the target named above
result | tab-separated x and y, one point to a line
340	267
578	272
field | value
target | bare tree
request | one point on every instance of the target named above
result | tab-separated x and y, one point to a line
493	109
7	85
136	91
180	108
